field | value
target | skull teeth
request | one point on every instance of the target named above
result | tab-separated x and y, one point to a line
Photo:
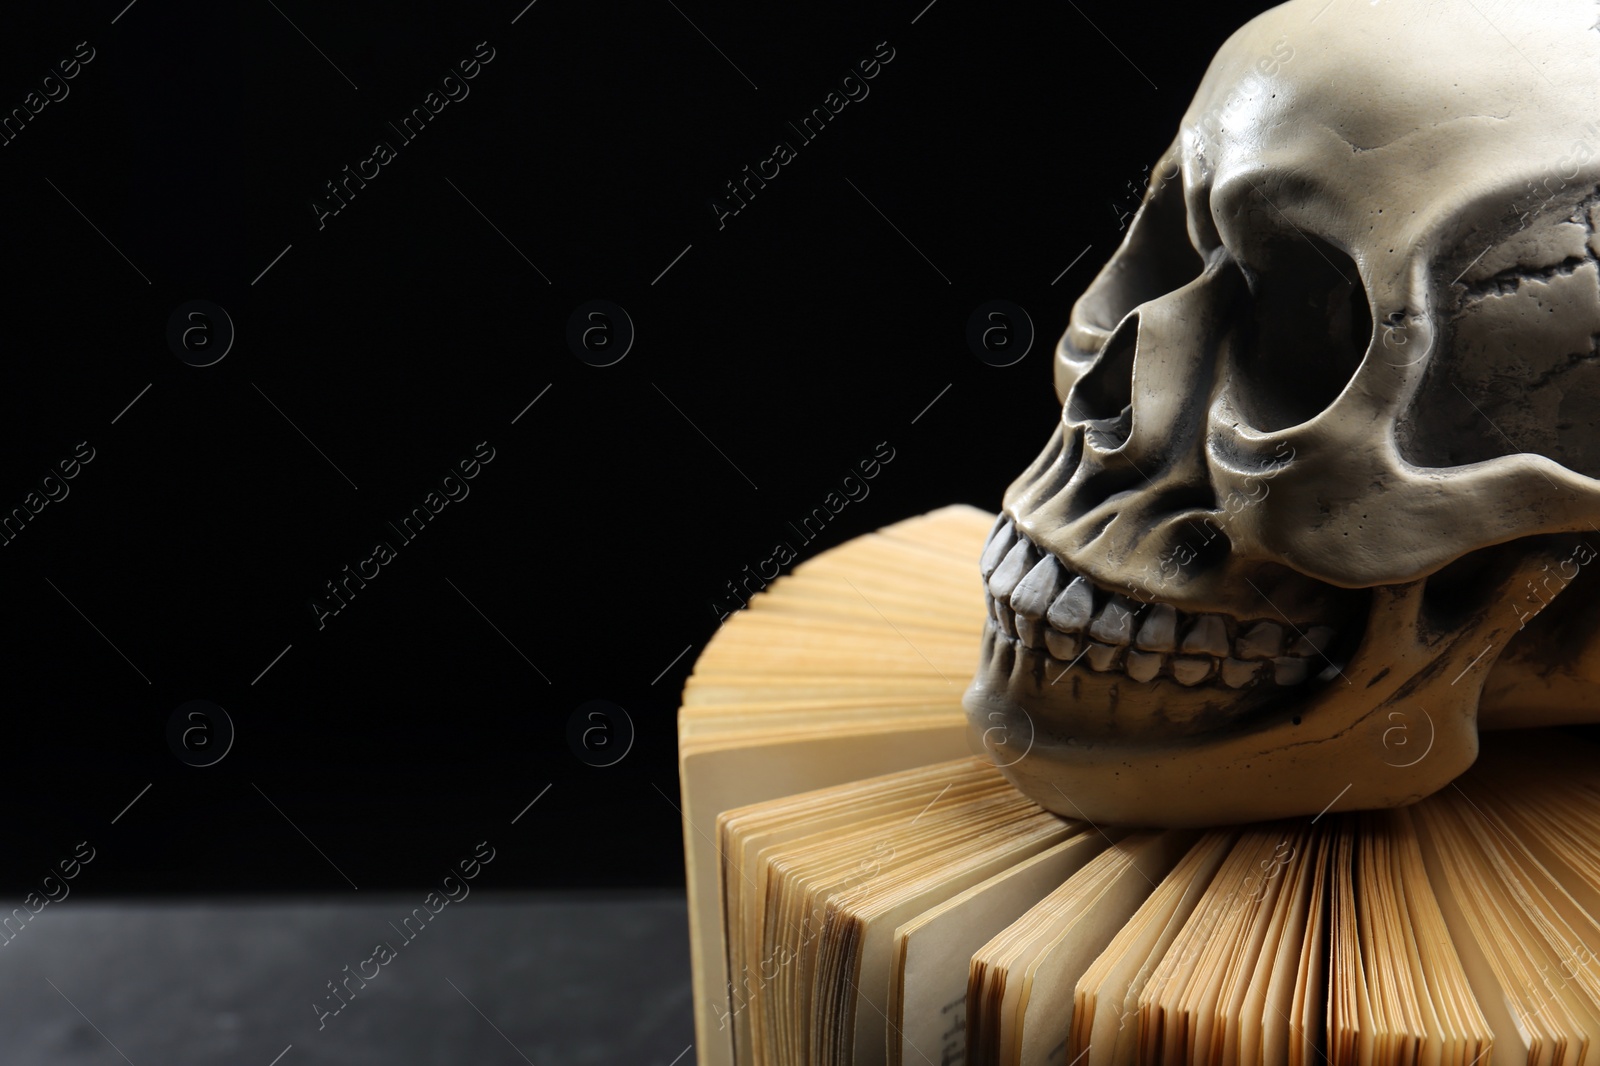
1073	610
1263	641
1103	658
1160	630
1207	635
1063	646
1038	590
1012	569
1114	624
1001	538
1036	601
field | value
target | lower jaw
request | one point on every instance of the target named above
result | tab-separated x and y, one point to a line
1113	751
1070	703
1107	749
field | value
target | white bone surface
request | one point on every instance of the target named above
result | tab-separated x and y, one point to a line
1331	426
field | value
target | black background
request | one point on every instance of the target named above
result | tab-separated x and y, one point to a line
1001	142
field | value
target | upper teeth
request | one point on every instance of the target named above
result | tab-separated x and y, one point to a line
1036	600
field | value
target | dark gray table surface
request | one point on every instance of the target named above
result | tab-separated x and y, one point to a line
495	978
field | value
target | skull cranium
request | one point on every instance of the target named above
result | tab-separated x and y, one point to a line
1330	433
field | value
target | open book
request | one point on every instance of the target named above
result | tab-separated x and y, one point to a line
864	888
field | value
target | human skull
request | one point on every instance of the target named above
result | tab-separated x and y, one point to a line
1330	434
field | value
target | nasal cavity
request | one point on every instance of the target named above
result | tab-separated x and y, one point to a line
1102	400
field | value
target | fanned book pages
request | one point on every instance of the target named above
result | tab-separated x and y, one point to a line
866	888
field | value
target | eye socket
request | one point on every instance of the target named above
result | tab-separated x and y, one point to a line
1305	331
1155	258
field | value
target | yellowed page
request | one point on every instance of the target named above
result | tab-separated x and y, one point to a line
717	781
1052	976
929	977
1108	993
